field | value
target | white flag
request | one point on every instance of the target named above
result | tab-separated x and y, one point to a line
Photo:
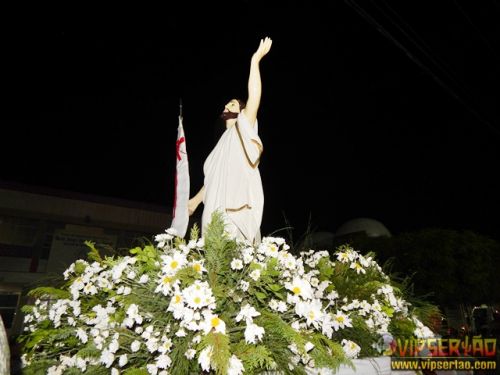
180	215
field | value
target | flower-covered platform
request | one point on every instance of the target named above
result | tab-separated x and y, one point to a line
214	305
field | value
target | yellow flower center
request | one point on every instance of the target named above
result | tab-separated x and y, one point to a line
340	319
177	298
215	322
197	267
166	280
296	290
174	264
197	300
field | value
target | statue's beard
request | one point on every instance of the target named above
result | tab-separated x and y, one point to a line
228	115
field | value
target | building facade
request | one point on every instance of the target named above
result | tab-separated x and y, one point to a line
43	231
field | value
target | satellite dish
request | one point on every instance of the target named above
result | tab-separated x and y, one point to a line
363	225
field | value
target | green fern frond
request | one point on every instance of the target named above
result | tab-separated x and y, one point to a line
425	311
220	351
38	336
254	357
136	371
97	370
89	351
402	328
323	357
73	371
219	250
280	330
180	364
278	336
49	291
93	254
61	334
38	367
195	232
27	309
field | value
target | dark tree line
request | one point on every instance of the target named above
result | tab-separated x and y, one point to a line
448	266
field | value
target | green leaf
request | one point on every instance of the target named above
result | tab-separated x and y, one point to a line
135	250
388	310
261	296
275	287
80	267
325	268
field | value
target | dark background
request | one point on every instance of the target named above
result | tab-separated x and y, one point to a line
369	109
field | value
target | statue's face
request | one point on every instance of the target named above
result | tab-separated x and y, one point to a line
232	106
231	110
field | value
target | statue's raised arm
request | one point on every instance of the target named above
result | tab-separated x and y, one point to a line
254	80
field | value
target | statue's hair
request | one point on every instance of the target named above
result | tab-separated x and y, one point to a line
242	104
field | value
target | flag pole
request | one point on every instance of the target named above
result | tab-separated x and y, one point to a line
180	107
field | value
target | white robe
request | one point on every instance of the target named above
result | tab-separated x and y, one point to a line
232	181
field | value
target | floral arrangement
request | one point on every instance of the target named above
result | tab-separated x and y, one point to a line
214	304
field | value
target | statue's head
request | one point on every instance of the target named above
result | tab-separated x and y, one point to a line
232	109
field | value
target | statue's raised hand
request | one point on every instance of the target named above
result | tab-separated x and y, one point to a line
264	48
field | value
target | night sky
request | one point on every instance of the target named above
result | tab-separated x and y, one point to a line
369	109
